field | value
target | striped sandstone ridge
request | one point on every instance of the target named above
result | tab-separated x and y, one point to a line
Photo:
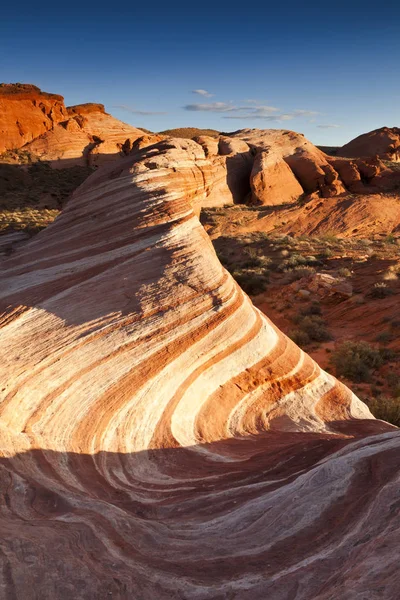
160	437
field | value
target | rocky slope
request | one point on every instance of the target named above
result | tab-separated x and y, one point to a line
44	128
160	437
89	136
383	142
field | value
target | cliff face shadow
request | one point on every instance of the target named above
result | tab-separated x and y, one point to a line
238	170
168	523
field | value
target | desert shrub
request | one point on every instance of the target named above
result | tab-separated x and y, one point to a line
329	238
252	283
314	326
300	272
312	309
393	381
390	239
299	337
385	408
365	242
384	337
356	360
325	253
344	272
295	260
388	354
380	290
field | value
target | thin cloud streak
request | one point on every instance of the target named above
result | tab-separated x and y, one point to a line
255	111
134	111
328	126
277	118
225	107
211	107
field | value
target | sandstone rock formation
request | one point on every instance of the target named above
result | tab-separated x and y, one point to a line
26	113
311	172
383	143
273	181
160	437
44	127
90	136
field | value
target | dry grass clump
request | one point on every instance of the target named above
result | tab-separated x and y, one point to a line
393	273
380	290
294	261
344	272
30	220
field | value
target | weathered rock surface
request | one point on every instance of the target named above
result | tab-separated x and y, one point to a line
273	181
311	172
322	285
160	437
90	136
41	124
25	113
383	143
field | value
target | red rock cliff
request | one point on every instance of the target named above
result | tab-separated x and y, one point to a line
26	112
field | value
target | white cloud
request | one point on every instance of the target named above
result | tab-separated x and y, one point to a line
203	93
329	126
305	113
264	117
134	111
212	107
227	107
253	110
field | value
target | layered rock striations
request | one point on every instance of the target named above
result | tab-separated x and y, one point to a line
160	437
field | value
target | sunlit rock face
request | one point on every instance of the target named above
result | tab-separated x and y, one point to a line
88	136
160	437
26	113
383	143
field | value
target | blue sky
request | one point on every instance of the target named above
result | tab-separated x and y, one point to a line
328	70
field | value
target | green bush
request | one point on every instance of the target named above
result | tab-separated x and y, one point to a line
385	408
251	283
311	327
312	309
299	337
356	360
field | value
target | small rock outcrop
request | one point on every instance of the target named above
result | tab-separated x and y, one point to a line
383	143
